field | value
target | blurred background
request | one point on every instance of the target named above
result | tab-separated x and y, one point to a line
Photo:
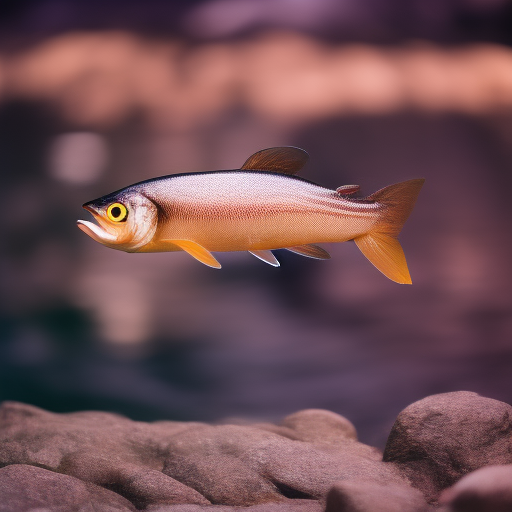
97	95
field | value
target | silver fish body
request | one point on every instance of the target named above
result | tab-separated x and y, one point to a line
244	210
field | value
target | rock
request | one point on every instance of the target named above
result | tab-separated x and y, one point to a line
437	440
317	425
360	496
326	428
141	485
164	464
168	463
27	488
242	465
488	489
289	506
101	448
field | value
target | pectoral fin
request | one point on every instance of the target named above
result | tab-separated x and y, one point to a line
385	253
198	252
266	256
310	251
286	159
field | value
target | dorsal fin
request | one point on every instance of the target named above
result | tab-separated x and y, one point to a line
286	159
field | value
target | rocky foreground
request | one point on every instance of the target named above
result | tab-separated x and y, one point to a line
449	452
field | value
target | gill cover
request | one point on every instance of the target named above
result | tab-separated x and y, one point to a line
126	222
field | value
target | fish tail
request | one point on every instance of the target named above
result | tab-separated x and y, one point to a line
381	245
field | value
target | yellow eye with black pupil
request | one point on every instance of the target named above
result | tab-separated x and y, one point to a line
117	212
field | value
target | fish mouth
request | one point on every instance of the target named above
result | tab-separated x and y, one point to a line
95	231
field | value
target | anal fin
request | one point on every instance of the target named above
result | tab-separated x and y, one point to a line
198	252
267	257
386	254
310	251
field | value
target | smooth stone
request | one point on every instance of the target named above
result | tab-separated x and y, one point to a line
360	496
436	441
328	429
318	425
488	489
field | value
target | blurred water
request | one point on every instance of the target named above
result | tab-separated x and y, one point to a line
159	336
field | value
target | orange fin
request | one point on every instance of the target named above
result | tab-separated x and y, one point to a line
310	251
267	257
398	200
347	190
286	160
386	254
197	251
380	245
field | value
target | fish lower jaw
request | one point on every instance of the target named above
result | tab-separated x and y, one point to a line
96	232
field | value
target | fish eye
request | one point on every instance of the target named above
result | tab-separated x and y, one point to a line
117	212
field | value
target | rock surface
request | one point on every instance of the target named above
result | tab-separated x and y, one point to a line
290	506
488	489
27	488
170	463
441	438
361	496
101	448
310	462
243	465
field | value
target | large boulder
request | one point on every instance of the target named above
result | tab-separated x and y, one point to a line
436	441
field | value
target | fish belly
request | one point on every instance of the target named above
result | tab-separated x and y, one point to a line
289	231
272	231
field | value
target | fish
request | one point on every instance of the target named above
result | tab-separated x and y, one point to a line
261	207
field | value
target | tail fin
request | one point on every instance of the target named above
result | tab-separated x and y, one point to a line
380	245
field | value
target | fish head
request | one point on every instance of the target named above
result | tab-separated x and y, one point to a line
126	220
